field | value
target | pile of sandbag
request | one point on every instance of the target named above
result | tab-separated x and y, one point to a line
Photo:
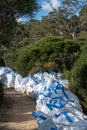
29	84
56	107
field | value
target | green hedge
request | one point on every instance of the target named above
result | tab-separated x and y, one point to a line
46	52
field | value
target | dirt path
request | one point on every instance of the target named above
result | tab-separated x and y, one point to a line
16	112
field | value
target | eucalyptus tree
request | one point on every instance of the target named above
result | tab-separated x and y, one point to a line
53	24
64	21
83	18
70	10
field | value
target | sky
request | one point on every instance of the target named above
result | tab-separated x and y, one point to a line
46	7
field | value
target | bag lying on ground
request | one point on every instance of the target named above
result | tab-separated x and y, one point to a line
57	108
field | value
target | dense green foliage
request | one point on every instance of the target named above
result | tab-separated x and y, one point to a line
78	76
10	58
10	11
50	53
55	24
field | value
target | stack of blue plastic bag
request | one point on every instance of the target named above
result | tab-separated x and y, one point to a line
56	107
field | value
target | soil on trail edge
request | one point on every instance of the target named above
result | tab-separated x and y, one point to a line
16	112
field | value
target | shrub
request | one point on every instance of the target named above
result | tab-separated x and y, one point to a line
37	67
82	35
50	66
78	79
48	51
10	58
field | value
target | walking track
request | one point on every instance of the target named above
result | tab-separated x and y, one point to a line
16	112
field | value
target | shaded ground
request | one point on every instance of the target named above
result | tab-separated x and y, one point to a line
16	112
